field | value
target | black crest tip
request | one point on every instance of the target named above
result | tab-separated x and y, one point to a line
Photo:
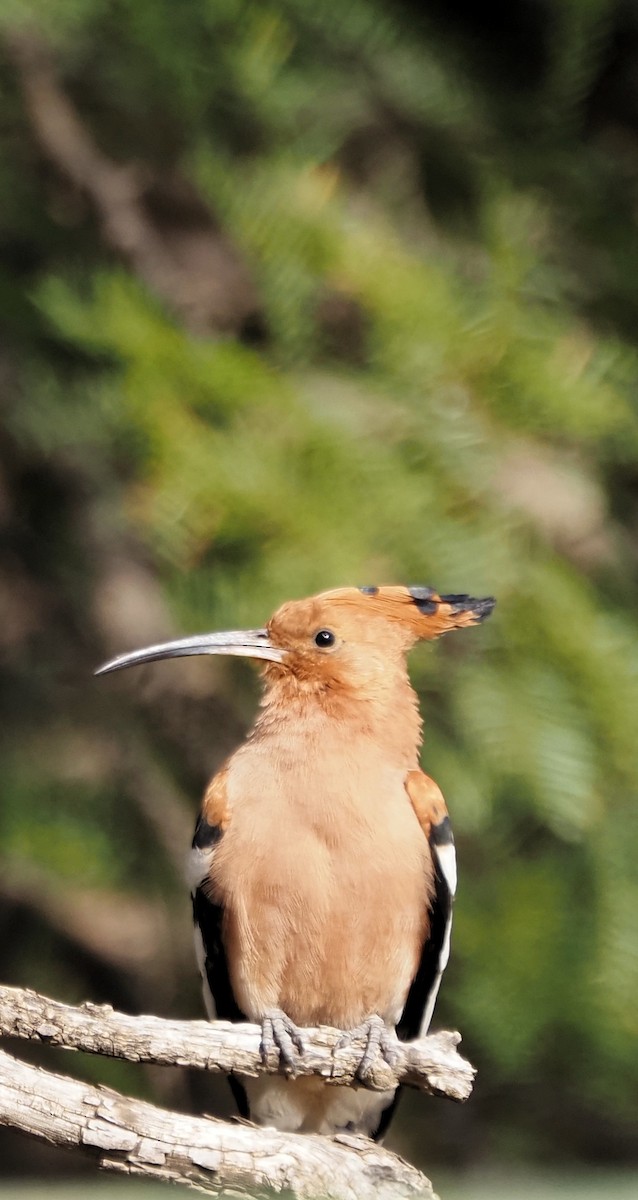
422	597
480	609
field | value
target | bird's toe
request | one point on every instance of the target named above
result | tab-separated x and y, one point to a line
378	1039
280	1034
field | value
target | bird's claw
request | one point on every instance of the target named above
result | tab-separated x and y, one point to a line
379	1039
279	1033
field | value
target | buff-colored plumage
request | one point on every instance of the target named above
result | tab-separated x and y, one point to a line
321	861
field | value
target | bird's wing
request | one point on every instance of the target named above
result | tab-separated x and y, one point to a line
432	814
431	811
208	915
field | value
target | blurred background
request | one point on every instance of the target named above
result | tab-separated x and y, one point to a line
295	295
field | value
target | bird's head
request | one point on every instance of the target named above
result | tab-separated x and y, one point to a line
347	638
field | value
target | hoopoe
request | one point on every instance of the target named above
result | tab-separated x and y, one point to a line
322	868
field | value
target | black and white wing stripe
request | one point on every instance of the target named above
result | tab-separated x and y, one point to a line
208	919
415	1019
419	1006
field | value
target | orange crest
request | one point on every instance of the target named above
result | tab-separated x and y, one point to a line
420	611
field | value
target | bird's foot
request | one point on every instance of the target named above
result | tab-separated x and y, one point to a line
279	1033
379	1039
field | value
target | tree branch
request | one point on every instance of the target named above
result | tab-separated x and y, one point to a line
159	225
432	1064
211	1156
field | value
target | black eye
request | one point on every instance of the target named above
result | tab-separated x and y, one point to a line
324	638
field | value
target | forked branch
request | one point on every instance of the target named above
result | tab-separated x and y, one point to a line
216	1157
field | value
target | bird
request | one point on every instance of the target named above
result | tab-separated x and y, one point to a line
323	867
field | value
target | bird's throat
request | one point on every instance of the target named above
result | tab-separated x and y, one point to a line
385	717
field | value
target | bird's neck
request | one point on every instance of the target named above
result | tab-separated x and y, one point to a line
386	717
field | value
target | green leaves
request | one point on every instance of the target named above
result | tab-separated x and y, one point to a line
431	402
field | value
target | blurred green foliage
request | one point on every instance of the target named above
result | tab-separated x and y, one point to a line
442	391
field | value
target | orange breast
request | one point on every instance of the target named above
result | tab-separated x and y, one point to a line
325	877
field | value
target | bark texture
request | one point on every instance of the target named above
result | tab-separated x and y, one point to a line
211	1156
136	1138
432	1065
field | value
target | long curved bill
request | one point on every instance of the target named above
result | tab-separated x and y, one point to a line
249	643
